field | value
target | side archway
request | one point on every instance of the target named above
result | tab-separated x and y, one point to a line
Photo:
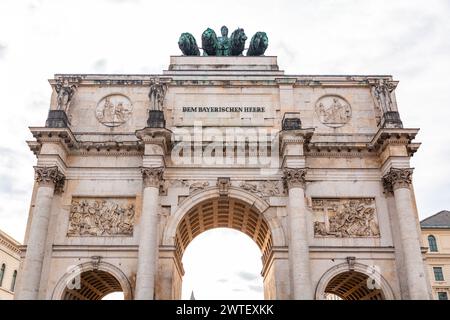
351	283
92	281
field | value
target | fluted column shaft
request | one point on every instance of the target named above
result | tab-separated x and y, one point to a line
146	271
298	241
398	181
48	179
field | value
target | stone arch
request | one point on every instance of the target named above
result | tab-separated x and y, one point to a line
169	233
355	274
109	277
194	216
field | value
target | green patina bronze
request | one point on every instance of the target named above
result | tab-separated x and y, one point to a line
188	45
224	45
238	39
209	42
258	44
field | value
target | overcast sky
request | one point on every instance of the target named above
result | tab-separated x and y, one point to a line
408	39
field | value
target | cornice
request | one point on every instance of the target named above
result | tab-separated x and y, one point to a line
232	78
72	146
394	136
5	242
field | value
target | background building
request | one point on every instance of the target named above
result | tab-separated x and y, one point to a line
9	264
436	232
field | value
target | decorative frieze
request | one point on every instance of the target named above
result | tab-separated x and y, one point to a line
152	176
294	178
101	217
50	175
342	218
397	178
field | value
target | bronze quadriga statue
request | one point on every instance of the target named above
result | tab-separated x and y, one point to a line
224	45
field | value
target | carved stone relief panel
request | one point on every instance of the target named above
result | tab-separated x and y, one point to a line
348	217
101	217
333	111
114	110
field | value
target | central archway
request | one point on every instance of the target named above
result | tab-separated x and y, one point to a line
224	213
209	209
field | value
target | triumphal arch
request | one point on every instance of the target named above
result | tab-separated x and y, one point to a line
315	169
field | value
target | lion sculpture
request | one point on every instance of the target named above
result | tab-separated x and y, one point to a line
188	45
238	39
258	44
209	42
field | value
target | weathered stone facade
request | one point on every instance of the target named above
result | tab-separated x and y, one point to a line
134	173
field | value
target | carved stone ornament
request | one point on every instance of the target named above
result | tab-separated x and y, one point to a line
50	175
344	218
263	189
152	176
101	217
397	178
224	185
197	186
114	110
294	177
157	94
65	92
333	111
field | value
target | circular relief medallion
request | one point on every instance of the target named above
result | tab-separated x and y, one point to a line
333	111
113	110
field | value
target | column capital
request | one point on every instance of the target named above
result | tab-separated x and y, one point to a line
50	176
397	178
294	177
152	176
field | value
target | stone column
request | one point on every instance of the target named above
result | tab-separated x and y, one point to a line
49	180
298	241
146	271
398	181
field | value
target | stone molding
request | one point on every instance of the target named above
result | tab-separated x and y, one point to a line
294	177
397	178
50	176
152	177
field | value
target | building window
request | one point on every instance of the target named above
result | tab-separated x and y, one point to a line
432	243
2	273
438	275
13	281
442	296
